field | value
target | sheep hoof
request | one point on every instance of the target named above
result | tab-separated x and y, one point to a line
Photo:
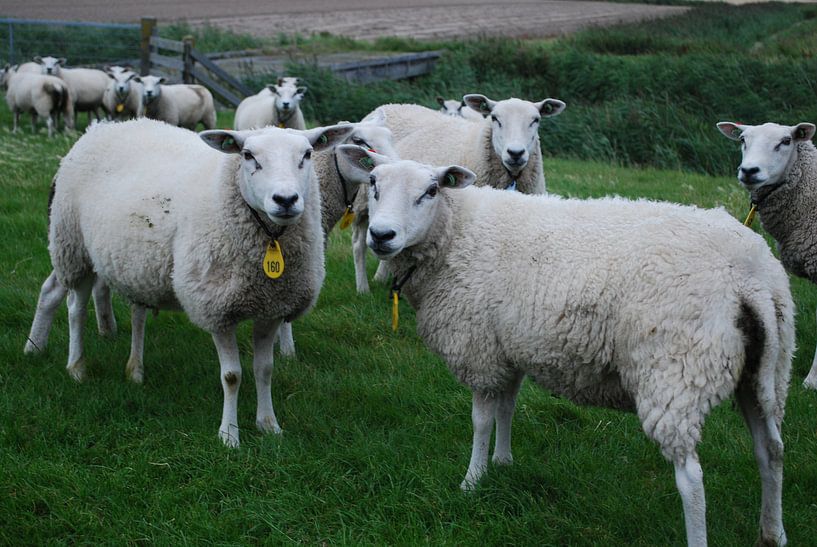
809	383
230	440
134	372
502	460
287	349
268	424
468	485
363	288
107	329
31	347
77	370
778	541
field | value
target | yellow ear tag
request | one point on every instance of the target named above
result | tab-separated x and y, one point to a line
751	216
395	310
281	125
347	218
274	260
120	107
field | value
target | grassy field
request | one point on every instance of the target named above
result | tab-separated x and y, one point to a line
376	431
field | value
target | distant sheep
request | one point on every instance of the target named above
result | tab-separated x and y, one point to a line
87	85
779	169
183	105
123	96
656	308
458	109
275	105
187	228
42	96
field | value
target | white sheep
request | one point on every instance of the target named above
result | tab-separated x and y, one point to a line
183	105
123	97
779	169
277	105
42	96
503	150
197	229
87	85
657	308
458	109
339	189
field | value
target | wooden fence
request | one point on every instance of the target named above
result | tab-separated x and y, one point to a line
192	65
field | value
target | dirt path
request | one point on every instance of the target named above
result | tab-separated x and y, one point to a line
362	19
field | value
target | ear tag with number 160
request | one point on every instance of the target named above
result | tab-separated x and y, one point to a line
274	260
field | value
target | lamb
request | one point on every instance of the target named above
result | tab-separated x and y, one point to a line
87	85
458	109
183	105
43	96
587	299
277	105
779	169
197	224
123	97
502	150
339	189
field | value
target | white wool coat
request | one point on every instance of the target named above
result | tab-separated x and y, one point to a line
164	225
184	105
429	136
626	304
259	110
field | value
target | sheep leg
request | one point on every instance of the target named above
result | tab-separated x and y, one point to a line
689	479
285	341
16	121
811	380
768	447
135	370
382	273
228	358
52	294
105	320
483	410
263	337
505	406
359	254
49	123
77	314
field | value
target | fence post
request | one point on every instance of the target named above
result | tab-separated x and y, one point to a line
148	30
187	58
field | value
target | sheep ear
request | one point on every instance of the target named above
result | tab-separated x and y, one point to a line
229	142
38	60
322	138
803	131
137	79
280	81
161	80
480	103
133	77
550	107
61	61
110	75
356	162
376	117
440	101
731	130
455	177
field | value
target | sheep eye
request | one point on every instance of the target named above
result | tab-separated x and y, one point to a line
535	121
308	155
360	142
371	180
248	156
493	119
742	140
432	191
786	141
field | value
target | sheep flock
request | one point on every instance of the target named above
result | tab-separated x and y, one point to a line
655	308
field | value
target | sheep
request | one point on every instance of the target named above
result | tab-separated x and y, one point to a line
43	96
187	229
277	105
458	109
123	96
87	85
502	150
183	105
657	308
779	169
339	190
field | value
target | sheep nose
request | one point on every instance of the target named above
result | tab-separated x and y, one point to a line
382	237
286	105
749	171
516	154
285	201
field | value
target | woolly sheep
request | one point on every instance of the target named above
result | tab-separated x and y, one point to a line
123	96
458	109
277	105
339	189
195	230
183	105
43	96
87	85
779	169
657	308
503	150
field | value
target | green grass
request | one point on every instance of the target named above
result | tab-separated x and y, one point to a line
376	431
